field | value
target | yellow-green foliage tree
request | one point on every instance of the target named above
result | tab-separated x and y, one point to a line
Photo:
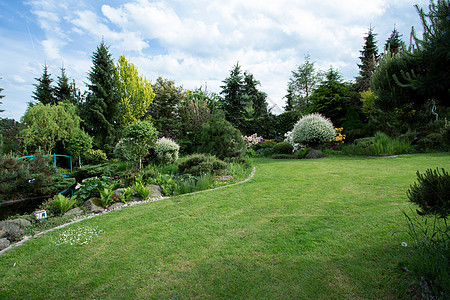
135	91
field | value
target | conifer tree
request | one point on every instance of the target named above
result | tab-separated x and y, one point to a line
44	92
369	58
63	90
394	42
1	97
101	110
233	103
252	96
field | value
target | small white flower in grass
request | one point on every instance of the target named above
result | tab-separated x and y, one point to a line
81	235
404	244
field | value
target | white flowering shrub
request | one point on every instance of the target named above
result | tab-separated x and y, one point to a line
167	150
312	129
252	140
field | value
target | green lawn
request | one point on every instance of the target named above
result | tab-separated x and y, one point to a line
300	229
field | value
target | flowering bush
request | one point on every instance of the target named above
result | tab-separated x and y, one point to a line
312	130
167	150
252	140
338	139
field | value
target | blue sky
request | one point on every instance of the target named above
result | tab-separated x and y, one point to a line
191	42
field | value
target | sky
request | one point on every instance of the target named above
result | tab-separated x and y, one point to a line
195	43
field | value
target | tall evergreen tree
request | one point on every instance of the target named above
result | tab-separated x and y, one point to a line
290	98
394	43
101	110
252	96
44	92
369	58
1	97
233	103
63	90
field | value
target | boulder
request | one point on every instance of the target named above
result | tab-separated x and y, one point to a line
74	211
156	190
117	205
315	154
93	206
2	234
12	230
4	243
118	192
22	222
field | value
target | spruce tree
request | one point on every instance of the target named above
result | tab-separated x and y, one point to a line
394	42
369	58
44	92
252	96
1	97
63	90
101	110
233	103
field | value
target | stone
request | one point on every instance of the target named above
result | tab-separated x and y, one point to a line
4	243
156	190
315	154
118	192
22	222
2	234
117	205
12	230
74	211
93	206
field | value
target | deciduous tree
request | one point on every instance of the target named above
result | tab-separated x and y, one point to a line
139	138
136	92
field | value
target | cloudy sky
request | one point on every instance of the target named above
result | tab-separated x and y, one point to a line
191	42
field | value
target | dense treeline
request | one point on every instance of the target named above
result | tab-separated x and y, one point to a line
403	91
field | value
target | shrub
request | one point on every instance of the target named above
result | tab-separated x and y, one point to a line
90	187
218	137
431	192
264	145
63	204
283	148
284	156
166	182
252	140
94	156
200	164
313	129
121	151
302	153
167	150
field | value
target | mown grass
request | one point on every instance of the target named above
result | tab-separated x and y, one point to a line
302	229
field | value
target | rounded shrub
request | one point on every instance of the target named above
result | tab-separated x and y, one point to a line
283	148
95	156
167	150
218	137
200	164
431	193
313	129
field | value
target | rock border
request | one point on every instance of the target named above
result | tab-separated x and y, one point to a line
79	219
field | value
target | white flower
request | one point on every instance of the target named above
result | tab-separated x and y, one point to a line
404	244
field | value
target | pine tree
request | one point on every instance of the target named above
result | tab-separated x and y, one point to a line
369	58
394	42
101	111
290	98
252	96
63	90
44	92
233	103
1	97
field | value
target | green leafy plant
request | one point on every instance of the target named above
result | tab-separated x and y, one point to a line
166	182
106	195
302	153
141	190
94	156
126	195
90	187
64	204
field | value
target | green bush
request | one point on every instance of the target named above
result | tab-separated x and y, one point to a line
94	156
200	164
312	130
264	145
302	153
284	156
380	144
283	148
218	137
167	150
91	187
431	192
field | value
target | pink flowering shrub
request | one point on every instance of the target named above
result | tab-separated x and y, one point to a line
252	140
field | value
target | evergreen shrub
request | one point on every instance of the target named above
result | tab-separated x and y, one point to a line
200	164
96	156
283	148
